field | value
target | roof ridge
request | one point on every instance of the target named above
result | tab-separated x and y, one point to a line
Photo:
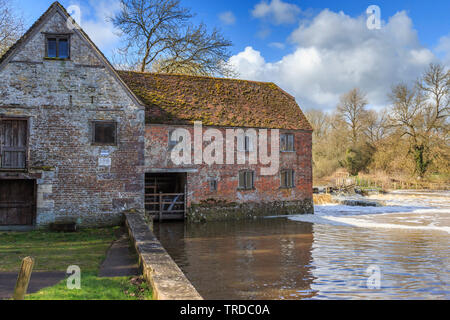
213	78
197	76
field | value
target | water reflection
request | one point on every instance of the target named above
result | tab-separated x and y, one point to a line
284	259
260	259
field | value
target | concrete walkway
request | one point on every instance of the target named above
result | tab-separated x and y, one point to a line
120	260
39	280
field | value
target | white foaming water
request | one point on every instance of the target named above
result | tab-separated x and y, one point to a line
408	210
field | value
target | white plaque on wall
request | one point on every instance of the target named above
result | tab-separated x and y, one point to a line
104	153
104	162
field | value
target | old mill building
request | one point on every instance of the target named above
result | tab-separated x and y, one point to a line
81	141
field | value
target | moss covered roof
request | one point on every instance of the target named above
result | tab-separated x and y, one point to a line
182	99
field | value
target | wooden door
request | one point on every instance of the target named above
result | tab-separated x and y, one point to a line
17	202
13	144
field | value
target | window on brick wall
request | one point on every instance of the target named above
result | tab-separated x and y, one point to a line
287	178
104	132
213	185
287	143
246	180
57	46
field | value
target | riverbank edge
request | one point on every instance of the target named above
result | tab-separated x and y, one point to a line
158	268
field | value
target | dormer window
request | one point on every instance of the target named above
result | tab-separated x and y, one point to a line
57	46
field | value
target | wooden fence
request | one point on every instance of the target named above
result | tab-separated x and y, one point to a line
399	185
166	205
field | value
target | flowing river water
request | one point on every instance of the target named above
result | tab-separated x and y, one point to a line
398	251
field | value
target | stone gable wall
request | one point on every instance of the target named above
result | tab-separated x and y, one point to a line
61	99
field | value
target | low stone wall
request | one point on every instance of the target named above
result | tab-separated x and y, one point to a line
160	271
217	211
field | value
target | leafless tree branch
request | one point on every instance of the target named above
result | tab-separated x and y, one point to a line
159	37
11	26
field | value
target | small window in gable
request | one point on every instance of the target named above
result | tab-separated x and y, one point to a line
51	48
104	133
57	46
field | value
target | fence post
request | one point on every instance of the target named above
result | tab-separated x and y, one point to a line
23	279
185	201
160	207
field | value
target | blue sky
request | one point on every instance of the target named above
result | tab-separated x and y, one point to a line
316	50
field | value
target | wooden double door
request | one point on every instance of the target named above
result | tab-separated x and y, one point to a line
17	202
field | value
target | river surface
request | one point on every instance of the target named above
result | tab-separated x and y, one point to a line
399	251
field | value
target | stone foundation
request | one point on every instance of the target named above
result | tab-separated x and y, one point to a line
216	211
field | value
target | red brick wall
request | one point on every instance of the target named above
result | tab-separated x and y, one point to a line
267	188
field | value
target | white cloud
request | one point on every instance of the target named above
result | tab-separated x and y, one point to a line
277	11
335	52
227	18
97	24
277	45
249	63
444	49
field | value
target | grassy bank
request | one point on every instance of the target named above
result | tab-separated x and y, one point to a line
95	288
57	251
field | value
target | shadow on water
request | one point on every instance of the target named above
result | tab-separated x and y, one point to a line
259	259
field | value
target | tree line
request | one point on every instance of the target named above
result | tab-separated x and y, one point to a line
409	137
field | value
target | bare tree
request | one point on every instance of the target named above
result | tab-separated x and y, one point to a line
422	112
352	111
11	26
375	127
320	121
435	86
159	37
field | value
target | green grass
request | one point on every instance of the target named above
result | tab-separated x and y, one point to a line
55	251
94	288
